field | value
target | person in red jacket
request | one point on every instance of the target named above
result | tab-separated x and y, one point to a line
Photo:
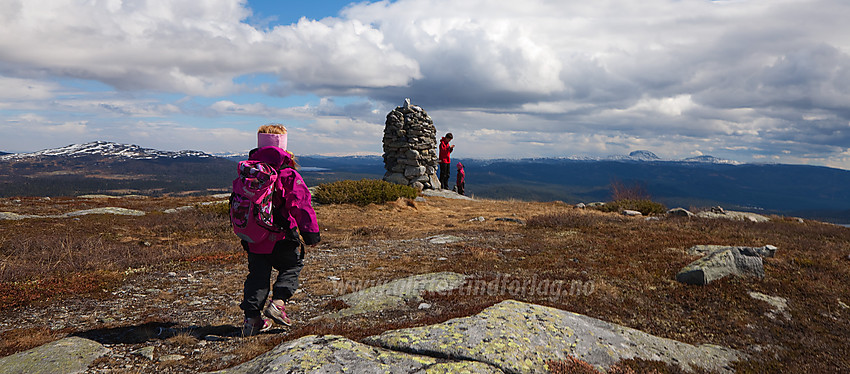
445	160
461	176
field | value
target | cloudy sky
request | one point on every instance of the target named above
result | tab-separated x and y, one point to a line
748	80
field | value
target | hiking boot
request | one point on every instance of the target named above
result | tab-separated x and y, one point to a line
278	314
256	325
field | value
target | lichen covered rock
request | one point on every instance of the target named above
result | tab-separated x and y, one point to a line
520	338
337	354
396	293
721	262
68	355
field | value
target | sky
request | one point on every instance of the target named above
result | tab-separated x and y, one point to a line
764	81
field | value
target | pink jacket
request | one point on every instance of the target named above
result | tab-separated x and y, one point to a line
295	205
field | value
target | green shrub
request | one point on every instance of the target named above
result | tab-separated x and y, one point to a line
218	208
362	192
646	207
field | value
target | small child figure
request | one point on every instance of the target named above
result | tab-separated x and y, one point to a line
292	211
461	176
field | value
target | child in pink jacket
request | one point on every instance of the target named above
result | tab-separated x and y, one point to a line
293	212
461	178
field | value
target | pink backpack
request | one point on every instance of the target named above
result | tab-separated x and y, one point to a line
251	201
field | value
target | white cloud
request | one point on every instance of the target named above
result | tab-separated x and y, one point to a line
193	47
336	136
22	90
20	132
537	77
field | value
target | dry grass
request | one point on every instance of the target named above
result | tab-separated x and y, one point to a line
26	338
45	258
627	264
631	264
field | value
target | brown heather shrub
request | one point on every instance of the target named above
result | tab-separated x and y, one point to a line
91	253
623	191
571	219
646	207
573	365
376	231
34	257
183	339
17	340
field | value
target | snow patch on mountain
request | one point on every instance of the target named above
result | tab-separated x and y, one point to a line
102	148
711	160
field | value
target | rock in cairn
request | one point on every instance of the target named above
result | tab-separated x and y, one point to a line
410	148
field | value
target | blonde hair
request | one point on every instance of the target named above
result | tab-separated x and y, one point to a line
276	128
272	128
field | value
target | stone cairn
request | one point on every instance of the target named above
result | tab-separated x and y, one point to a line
410	148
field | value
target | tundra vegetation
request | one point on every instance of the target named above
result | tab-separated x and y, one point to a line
630	262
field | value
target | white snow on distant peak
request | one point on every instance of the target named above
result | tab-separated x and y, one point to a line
102	148
711	160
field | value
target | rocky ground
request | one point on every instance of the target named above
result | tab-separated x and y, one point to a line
181	315
184	320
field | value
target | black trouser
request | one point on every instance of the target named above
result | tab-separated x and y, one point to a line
444	175
287	258
460	187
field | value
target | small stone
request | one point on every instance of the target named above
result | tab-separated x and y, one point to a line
424	306
442	259
581	206
443	239
334	278
631	213
146	352
680	212
171	274
171	358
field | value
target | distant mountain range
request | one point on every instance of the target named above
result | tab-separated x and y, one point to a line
704	181
700	182
112	168
105	149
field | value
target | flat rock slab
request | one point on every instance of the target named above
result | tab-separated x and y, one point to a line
397	293
702	250
448	194
337	354
106	210
735	216
721	262
518	337
194	206
443	239
68	355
